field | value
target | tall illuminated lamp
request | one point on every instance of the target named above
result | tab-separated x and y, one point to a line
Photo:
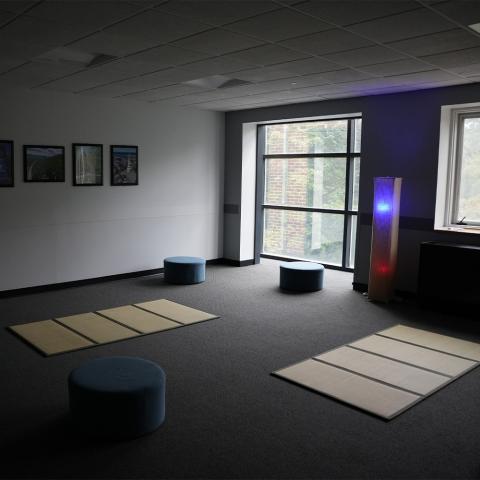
383	256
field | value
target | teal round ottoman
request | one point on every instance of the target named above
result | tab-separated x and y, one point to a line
301	276
184	270
117	397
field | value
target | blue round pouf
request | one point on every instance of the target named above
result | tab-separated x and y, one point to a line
184	270
301	276
117	397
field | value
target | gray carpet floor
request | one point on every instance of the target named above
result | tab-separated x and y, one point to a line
227	417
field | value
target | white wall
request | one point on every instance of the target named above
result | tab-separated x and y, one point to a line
54	232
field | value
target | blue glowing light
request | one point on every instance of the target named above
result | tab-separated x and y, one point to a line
383	207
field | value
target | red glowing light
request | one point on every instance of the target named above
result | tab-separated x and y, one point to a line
383	269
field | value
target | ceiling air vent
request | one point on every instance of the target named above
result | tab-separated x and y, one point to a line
67	55
475	27
216	82
100	58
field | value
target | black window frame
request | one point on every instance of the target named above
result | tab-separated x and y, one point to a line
350	155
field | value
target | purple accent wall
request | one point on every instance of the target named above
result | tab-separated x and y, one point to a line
399	138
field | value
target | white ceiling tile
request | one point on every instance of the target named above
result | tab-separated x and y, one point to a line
403	25
217	42
345	12
8	63
110	90
330	41
26	29
425	77
217	66
166	56
275	85
15	6
129	68
346	75
373	84
456	39
268	55
466	12
324	89
171	91
217	12
88	13
163	78
130	85
262	74
5	17
468	70
23	51
90	78
156	26
280	73
279	25
398	67
457	59
146	3
365	56
34	73
117	45
197	97
308	65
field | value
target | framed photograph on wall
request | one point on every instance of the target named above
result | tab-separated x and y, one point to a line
124	165
43	163
6	163
87	164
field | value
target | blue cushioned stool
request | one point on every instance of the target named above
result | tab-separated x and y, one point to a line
117	397
301	276
184	270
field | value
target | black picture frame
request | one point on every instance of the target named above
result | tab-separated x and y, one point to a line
43	163
7	163
123	165
93	176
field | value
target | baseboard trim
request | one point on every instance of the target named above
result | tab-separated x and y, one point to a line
360	287
363	287
88	281
237	263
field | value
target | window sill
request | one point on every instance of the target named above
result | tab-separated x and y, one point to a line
460	229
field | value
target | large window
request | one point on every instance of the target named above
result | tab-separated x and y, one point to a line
458	181
310	190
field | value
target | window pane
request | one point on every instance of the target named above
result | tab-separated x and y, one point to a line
306	235
357	135
328	136
355	182
305	182
469	193
353	237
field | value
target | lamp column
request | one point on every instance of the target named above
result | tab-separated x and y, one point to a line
383	256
